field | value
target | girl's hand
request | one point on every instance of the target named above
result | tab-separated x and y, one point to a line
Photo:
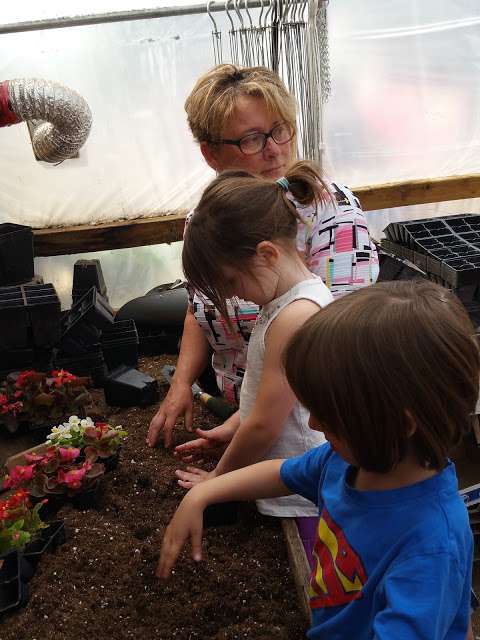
193	476
186	523
210	445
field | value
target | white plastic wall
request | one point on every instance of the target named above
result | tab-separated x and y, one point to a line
404	104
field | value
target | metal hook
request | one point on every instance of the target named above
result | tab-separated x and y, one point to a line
209	4
237	11
228	15
248	14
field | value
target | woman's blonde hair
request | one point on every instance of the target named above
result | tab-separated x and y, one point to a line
213	98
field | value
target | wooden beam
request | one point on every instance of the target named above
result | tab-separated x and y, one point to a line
169	228
299	565
114	235
401	194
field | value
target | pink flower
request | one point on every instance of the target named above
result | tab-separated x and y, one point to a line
18	475
73	478
33	457
68	454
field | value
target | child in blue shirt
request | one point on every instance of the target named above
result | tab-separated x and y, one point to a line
390	375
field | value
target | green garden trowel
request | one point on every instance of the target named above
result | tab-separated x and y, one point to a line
217	405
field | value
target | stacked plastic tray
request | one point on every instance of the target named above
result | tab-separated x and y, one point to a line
446	248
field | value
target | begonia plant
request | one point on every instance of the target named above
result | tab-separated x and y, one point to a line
96	439
58	471
41	398
20	521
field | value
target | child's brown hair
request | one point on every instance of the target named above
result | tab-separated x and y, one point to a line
385	358
236	212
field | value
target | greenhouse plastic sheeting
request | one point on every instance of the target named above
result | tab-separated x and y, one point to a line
404	105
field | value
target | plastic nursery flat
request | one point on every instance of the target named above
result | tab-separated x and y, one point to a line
447	247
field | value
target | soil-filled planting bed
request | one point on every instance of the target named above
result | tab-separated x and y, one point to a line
101	582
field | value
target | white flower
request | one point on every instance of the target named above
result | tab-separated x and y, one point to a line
86	422
66	436
74	420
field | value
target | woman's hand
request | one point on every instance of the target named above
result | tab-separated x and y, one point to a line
186	523
210	444
177	402
192	476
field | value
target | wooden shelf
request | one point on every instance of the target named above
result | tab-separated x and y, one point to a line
169	227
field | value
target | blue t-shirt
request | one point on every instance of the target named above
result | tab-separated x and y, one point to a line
390	565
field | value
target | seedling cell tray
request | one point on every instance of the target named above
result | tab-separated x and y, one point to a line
14	573
50	539
448	248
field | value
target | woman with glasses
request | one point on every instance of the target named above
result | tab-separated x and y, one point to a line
245	119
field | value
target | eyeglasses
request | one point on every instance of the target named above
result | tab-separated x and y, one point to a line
256	142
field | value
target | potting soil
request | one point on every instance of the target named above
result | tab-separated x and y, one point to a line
100	583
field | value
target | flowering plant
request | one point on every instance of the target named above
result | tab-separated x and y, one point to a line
96	439
40	397
58	471
19	521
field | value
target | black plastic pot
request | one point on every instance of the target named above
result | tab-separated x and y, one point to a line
110	463
127	387
121	351
88	274
53	504
13	324
90	363
154	342
16	254
87	499
49	539
221	514
44	312
92	309
14	573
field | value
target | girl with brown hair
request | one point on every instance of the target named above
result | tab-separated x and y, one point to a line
230	252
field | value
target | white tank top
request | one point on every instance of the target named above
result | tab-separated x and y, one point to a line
296	436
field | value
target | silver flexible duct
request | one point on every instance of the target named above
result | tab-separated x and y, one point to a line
59	118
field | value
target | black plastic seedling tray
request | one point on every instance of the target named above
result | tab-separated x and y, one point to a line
49	540
128	387
16	254
15	571
447	247
92	310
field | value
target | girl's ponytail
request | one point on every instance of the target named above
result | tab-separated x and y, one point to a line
305	183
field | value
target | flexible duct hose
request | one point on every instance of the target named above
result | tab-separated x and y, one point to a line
60	118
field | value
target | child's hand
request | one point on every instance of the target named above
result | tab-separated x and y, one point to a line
210	445
186	523
193	476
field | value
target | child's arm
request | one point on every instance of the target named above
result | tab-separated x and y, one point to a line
259	481
273	403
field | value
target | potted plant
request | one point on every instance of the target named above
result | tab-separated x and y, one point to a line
41	399
20	521
96	440
59	472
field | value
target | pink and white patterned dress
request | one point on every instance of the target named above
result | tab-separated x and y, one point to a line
337	246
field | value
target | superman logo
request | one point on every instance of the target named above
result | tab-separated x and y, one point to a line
338	576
